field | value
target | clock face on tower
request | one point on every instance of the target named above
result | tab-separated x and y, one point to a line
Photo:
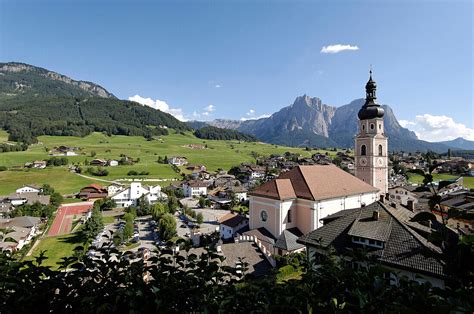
363	161
380	161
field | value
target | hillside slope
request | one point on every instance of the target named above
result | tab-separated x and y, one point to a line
20	79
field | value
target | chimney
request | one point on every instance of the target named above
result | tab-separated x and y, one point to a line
382	197
387	196
375	215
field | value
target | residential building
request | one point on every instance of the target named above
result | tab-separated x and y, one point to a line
230	224
22	230
17	199
112	163
194	188
39	164
114	188
130	195
29	188
389	235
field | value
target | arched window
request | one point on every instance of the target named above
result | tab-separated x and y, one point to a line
363	150
380	150
372	126
363	127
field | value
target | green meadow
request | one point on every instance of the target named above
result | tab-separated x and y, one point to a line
418	179
214	155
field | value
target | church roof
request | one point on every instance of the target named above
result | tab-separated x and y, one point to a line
316	182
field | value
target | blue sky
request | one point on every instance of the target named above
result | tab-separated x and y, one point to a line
244	59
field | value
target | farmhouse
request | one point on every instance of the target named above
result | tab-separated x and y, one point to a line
29	188
39	164
93	191
178	161
98	162
230	224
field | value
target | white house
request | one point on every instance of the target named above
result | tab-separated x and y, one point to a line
129	196
112	163
194	188
230	224
178	161
29	189
114	188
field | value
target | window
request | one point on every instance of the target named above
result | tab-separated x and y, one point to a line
363	127
380	127
372	126
289	216
363	150
380	150
263	215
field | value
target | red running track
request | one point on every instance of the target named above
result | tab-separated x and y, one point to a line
63	221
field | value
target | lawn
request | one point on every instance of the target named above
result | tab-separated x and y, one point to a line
56	248
418	179
217	154
108	219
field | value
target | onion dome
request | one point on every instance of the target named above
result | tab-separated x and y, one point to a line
371	109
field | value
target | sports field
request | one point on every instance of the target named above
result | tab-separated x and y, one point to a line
63	220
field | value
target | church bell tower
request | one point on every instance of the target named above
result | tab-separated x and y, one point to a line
371	149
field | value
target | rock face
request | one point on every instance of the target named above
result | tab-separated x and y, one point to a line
309	122
24	79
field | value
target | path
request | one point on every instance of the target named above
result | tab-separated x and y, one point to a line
92	178
63	221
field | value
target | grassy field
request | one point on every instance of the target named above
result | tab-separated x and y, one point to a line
56	248
418	179
218	154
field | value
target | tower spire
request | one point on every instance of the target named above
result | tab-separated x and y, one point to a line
371	108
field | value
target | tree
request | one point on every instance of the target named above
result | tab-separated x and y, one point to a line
199	218
202	202
93	225
93	154
172	204
167	227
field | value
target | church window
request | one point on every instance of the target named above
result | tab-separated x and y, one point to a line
380	150
264	216
380	127
363	150
363	127
289	216
372	126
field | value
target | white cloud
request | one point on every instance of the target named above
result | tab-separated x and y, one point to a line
250	115
210	108
438	128
159	105
217	86
337	48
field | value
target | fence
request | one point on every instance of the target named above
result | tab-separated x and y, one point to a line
263	249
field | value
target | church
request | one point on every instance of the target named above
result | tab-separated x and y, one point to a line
296	202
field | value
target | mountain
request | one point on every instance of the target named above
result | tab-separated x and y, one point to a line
460	143
309	122
35	101
24	79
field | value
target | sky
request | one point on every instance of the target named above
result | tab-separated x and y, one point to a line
201	60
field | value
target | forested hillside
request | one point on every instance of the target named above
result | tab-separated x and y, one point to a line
25	117
214	133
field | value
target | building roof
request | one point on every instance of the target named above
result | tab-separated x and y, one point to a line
288	238
366	226
95	186
403	247
316	182
232	220
30	197
197	184
21	221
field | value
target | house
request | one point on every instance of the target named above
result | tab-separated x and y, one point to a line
112	163
29	188
22	230
98	162
196	168
93	191
462	206
5	208
39	164
389	237
194	188
29	198
299	198
130	195
239	191
178	161
230	224
404	196
114	188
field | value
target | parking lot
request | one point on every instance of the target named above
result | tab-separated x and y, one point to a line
211	217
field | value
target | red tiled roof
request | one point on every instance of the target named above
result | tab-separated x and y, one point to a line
315	182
